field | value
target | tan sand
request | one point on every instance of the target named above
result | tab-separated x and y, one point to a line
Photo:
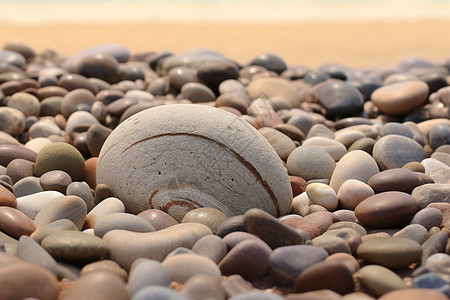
354	44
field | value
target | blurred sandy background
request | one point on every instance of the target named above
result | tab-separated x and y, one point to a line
379	33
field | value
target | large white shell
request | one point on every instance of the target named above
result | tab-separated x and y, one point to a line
183	156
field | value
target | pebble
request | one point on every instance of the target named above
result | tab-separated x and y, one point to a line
332	244
288	262
282	144
79	118
436	243
356	164
272	231
212	247
24	280
7	198
349	137
310	162
333	147
346	224
323	195
232	224
15	223
431	193
394	151
28	104
413	294
156	293
147	272
103	284
300	223
36	144
72	99
75	247
439	135
105	265
347	259
415	232
203	286
432	164
123	221
352	192
44	129
291	131
340	99
60	156
126	246
82	190
107	206
30	251
27	186
325	275
59	225
194	130
12	121
401	97
433	282
397	179
102	66
56	180
273	87
349	235
184	266
157	218
72	208
396	128
428	217
208	216
379	280
96	137
390	252
10	152
387	209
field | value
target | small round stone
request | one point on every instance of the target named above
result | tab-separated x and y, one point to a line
15	223
60	156
310	162
12	121
332	147
394	151
270	62
387	209
428	217
197	92
414	232
340	99
401	97
208	216
157	218
391	252
212	247
439	135
56	180
323	195
28	104
352	192
102	66
184	266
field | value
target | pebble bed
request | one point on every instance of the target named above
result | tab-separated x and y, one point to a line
362	157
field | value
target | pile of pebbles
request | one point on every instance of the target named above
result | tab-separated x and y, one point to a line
366	154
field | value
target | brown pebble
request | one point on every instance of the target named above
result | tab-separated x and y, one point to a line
90	172
298	185
415	166
105	265
102	192
15	223
158	218
304	225
99	285
19	168
7	198
23	280
414	294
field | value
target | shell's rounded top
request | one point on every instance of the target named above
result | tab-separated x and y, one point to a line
162	155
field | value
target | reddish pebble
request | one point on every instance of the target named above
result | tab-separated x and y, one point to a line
298	185
15	223
90	172
7	198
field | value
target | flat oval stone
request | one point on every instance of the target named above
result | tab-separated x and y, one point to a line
356	164
431	193
390	252
197	92
310	162
28	104
73	99
75	247
348	137
414	232
273	87
104	285
413	294
7	198
59	225
60	156
208	216
291	131
72	208
102	66
15	223
107	206
122	221
347	259
157	218
30	251
232	224
205	133
387	209
211	246
394	151
282	144
325	275
288	262
82	190
379	280
24	280
79	118
272	231
184	266
147	272
126	246
323	195
44	128
401	97
10	152
332	147
439	135
397	179
332	244
56	180
96	137
349	235
32	204
352	192
340	99
428	217
249	258
213	73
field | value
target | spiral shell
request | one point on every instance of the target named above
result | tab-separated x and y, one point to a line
183	156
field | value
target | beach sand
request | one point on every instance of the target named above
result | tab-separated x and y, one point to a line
354	44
